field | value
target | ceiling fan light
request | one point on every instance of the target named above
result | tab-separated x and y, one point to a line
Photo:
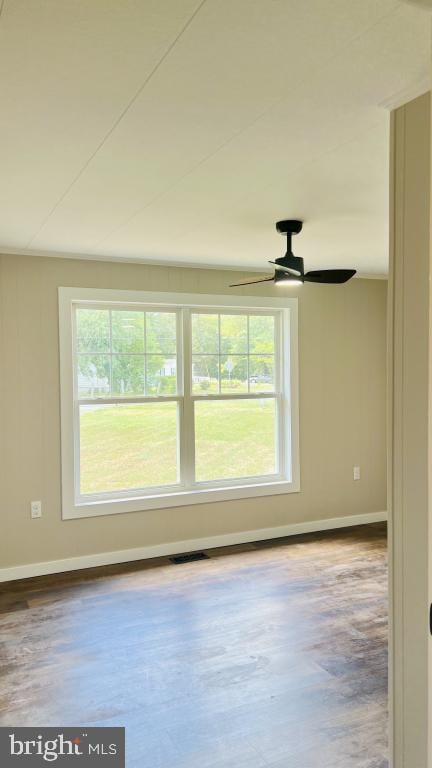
289	281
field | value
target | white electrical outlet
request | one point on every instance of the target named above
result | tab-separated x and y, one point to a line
356	473
36	509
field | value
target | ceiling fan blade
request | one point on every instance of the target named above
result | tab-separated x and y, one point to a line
329	275
281	268
252	282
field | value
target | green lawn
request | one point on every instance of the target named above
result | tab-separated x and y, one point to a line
234	438
131	446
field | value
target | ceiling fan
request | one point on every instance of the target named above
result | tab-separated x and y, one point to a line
290	268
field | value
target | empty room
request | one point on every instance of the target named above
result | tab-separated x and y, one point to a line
202	351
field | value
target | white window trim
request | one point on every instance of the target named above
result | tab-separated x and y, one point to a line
175	496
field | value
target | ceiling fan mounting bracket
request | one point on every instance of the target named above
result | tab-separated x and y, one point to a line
289	226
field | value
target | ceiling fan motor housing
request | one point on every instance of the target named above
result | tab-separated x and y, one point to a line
290	261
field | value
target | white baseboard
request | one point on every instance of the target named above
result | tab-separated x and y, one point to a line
179	547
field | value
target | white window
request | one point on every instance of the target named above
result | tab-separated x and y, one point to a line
170	399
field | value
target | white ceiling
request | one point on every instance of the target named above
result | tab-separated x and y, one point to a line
180	131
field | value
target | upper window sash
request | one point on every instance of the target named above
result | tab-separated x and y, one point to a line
120	368
247	353
107	355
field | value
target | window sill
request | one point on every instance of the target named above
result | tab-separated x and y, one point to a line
178	499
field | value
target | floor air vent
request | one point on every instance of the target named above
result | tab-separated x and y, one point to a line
178	559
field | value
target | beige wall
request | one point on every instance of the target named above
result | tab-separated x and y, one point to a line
342	411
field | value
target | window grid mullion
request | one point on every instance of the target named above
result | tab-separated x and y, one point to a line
120	354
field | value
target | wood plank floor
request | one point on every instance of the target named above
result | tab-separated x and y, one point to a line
267	655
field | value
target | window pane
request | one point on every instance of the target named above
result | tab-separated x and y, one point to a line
261	334
205	334
205	374
234	438
161	333
261	373
127	331
127	446
128	375
93	330
234	374
233	334
161	375
93	375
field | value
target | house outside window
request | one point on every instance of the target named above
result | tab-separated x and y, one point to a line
173	399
